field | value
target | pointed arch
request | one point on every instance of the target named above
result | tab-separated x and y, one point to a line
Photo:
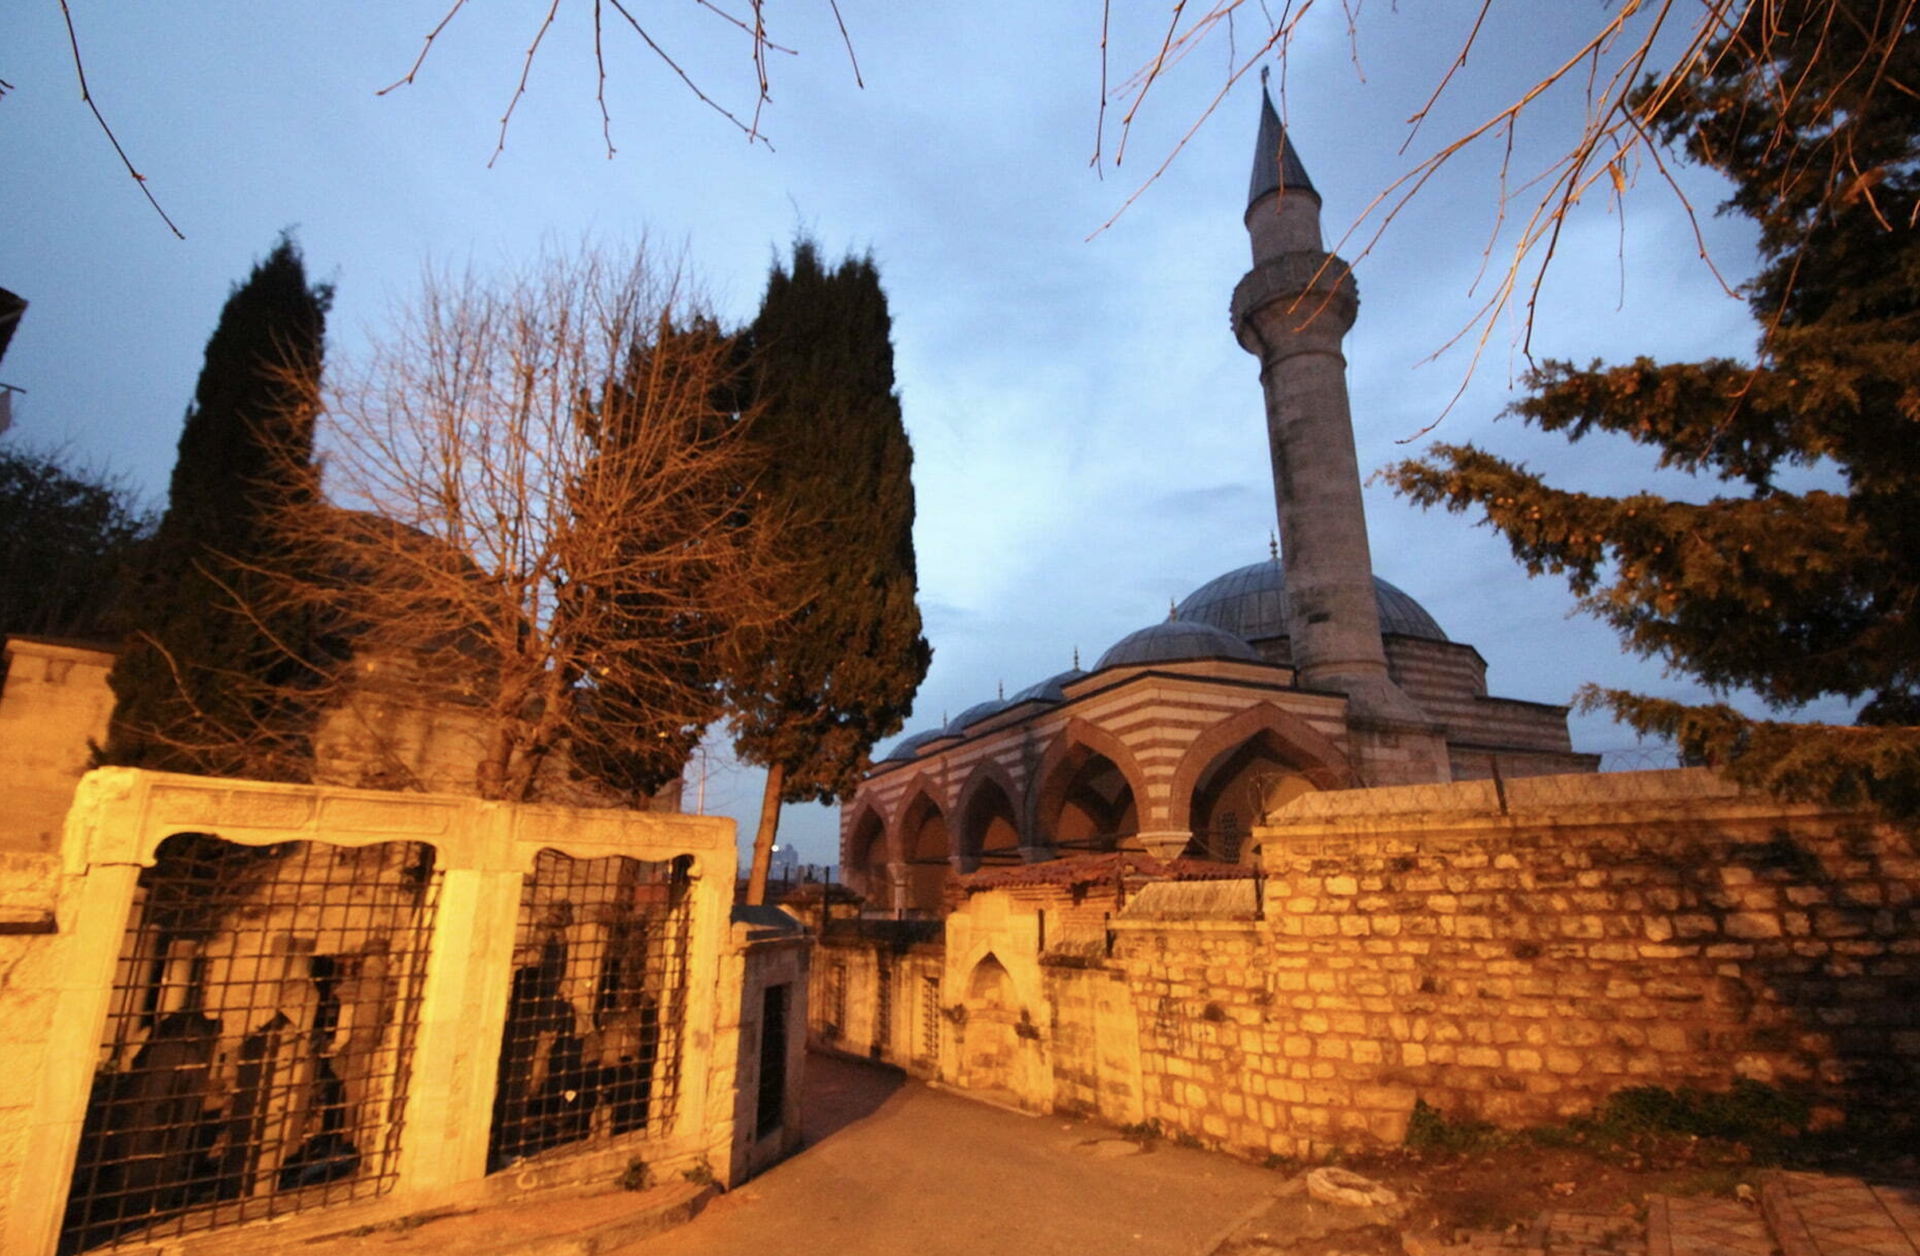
1078	743
869	853
922	836
1298	744
988	818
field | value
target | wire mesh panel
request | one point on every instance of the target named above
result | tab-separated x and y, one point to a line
596	1013
258	1038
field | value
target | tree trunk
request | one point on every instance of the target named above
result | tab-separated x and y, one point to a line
763	836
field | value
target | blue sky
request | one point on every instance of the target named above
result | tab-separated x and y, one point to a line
1089	440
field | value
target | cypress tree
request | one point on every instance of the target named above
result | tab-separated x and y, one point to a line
1791	595
809	698
213	677
652	629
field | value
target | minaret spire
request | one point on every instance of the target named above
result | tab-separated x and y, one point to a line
1292	311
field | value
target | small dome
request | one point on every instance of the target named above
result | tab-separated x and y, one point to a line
907	747
1052	689
1175	641
977	712
1250	602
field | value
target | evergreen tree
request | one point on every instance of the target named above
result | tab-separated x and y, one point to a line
653	630
809	698
1791	595
211	680
66	538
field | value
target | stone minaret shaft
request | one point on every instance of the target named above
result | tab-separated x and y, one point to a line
1292	311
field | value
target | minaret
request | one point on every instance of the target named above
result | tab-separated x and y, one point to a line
1292	311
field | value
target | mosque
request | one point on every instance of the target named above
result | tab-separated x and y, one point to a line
1266	682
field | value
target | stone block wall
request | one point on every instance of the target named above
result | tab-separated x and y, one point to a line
56	699
1518	954
1512	951
872	997
1212	1065
29	891
1094	1035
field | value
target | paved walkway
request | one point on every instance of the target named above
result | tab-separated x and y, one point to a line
1815	1215
893	1165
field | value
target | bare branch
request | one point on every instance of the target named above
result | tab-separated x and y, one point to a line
534	533
80	70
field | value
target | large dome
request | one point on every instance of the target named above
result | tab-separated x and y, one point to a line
907	747
1052	689
1175	641
1250	602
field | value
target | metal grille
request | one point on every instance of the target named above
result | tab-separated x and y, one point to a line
882	1012
930	1014
259	1038
597	1008
835	1004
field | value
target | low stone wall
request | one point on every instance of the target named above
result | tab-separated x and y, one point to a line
1506	951
1516	954
64	930
876	993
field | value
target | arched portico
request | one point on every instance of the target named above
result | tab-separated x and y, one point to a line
1247	763
989	825
869	858
1088	792
921	832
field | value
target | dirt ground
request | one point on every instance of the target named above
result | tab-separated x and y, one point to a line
1453	1196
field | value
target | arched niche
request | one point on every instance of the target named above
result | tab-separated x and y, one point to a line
990	1044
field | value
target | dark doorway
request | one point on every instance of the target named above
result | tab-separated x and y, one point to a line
773	1062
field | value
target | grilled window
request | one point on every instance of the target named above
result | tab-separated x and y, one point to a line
259	1037
882	1012
597	1008
930	1020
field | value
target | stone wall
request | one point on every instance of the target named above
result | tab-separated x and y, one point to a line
56	699
1516	954
879	995
768	964
1506	951
66	924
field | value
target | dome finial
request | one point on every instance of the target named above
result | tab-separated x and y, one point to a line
1002	693
1273	546
1173	610
1076	658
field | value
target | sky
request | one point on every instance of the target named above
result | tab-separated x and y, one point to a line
1089	440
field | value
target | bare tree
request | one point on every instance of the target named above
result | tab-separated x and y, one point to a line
532	530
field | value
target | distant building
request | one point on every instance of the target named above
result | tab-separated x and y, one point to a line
1269	681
